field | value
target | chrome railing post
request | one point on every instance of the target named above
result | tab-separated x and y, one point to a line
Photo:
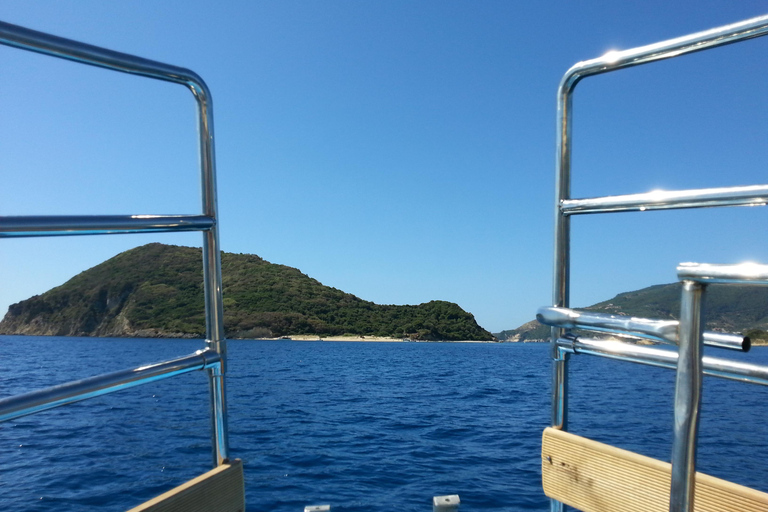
214	307
562	261
687	398
562	265
219	427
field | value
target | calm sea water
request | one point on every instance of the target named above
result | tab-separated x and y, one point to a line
360	426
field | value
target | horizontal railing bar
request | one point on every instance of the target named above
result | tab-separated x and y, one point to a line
742	273
55	46
713	366
614	60
74	391
664	331
754	195
63	225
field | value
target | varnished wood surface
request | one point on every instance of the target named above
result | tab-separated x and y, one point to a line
220	490
595	477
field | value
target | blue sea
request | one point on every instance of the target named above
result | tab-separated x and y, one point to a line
359	426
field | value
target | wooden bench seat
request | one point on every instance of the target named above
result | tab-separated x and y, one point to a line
221	489
594	477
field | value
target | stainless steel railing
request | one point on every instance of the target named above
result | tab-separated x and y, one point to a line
688	332
653	356
213	359
77	390
63	225
663	331
755	195
689	361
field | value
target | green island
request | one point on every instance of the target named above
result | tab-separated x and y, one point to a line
728	308
156	290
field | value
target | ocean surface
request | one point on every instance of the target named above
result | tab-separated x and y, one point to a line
359	426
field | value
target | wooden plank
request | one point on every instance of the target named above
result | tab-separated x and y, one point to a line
594	477
220	490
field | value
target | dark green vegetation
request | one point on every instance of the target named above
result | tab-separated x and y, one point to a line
157	290
728	308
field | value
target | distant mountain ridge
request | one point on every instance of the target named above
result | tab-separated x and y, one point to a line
156	291
728	308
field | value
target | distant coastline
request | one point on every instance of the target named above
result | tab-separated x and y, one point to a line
365	339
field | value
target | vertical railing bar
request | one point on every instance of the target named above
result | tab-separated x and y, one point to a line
214	307
687	398
562	264
218	414
561	280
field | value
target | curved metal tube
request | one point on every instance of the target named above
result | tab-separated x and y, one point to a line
719	36
55	46
751	28
47	44
75	391
754	27
665	331
612	61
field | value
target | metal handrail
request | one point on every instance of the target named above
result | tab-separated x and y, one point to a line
77	390
664	331
653	356
47	44
753	195
62	225
688	380
695	279
742	273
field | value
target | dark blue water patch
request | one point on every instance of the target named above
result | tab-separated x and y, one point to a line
631	406
372	426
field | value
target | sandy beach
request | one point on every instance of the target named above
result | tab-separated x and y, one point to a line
311	337
371	339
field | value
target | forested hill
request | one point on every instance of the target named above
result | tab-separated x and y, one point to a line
728	308
156	290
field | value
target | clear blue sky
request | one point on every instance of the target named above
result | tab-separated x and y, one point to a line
402	151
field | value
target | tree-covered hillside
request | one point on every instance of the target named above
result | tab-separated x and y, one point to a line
156	290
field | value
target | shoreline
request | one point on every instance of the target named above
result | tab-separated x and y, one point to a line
365	339
297	337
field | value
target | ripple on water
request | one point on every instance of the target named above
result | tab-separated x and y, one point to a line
372	426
